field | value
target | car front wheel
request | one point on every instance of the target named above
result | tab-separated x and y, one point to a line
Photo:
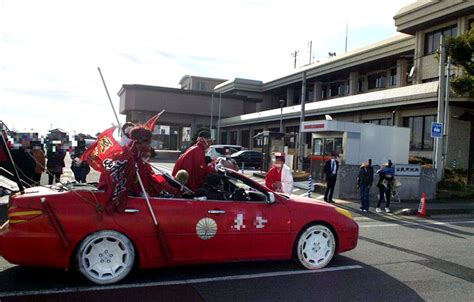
316	247
105	257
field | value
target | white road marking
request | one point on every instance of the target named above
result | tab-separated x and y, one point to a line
402	223
179	282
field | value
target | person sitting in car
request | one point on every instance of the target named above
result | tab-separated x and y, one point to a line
212	188
226	161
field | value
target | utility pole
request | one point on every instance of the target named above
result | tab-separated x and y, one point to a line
212	109
310	51
301	137
219	120
295	55
440	114
281	115
446	112
347	32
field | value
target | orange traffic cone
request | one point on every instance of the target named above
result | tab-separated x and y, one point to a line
422	206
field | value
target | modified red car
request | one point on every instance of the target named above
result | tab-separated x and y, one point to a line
61	227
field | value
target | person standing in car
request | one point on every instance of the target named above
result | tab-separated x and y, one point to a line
194	162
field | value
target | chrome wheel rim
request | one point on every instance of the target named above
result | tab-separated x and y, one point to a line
316	247
105	258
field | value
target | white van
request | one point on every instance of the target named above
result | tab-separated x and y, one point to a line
216	151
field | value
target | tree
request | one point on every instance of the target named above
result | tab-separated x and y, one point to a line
461	51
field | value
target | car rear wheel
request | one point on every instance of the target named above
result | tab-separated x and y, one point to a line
316	247
105	257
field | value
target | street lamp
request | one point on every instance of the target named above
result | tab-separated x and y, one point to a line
281	115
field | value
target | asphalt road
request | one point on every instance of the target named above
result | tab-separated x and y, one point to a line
398	258
410	259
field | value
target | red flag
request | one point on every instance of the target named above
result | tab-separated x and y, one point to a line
150	124
105	147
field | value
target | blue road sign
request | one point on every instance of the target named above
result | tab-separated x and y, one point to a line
436	129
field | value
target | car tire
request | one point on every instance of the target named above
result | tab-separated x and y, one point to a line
315	247
105	257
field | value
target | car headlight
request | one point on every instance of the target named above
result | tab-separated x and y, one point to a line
344	212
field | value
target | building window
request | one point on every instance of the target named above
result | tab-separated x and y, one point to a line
377	80
257	142
361	85
420	135
201	86
233	137
224	137
393	77
432	38
338	89
380	121
245	138
324	94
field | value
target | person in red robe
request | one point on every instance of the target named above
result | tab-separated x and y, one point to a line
273	178
279	178
193	161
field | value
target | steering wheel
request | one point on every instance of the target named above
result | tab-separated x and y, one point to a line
240	194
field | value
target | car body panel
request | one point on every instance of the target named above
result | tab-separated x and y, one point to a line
240	230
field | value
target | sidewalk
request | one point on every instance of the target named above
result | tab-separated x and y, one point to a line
436	207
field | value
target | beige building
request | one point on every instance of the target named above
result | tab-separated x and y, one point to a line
392	82
190	82
186	111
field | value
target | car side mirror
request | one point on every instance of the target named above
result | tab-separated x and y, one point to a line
271	198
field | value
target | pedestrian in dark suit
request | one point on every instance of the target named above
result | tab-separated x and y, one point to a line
331	167
364	182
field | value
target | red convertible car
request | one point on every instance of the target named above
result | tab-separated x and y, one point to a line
61	227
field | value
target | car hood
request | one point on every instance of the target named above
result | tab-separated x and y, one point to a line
306	200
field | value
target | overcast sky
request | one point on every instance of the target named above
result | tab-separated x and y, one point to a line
50	50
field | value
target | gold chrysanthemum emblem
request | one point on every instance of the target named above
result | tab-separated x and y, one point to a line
206	228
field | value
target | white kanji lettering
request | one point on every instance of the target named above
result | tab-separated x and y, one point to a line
239	222
260	222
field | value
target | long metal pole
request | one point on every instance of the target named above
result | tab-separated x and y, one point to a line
163	244
219	120
281	117
110	100
440	114
446	112
212	109
301	135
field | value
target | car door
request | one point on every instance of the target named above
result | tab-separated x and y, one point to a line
194	230
258	229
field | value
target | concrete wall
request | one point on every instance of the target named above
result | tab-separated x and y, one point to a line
458	139
411	189
178	101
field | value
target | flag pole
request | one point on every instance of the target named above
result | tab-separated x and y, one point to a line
110	100
7	152
163	244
